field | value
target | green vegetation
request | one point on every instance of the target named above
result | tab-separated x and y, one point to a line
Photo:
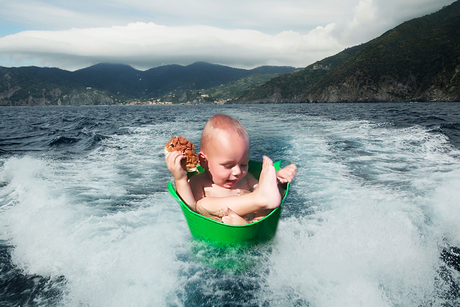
420	54
223	93
121	84
291	87
416	61
235	88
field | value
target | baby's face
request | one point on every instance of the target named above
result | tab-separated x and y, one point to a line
228	159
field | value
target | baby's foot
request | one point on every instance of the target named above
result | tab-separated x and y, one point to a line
268	186
232	218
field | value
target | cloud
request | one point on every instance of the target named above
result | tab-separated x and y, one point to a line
364	13
269	16
39	15
239	33
146	45
372	18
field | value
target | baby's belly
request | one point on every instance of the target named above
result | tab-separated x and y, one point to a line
225	193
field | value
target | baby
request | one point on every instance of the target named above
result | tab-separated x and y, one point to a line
226	191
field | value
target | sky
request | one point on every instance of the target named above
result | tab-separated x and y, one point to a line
239	33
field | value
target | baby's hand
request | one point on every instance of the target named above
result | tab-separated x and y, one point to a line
174	163
286	174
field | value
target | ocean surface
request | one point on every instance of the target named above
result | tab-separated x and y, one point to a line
372	218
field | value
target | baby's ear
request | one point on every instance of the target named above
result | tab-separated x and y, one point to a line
203	159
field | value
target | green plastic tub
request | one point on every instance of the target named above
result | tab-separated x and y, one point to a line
220	234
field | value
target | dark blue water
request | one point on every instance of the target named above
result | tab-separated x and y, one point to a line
371	219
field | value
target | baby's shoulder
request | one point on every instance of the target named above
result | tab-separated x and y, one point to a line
199	179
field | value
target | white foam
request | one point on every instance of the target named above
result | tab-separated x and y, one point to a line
369	251
371	240
445	202
108	258
374	207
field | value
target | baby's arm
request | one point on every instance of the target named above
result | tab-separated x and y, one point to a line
173	162
286	174
214	206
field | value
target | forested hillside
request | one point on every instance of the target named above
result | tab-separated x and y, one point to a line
417	61
109	84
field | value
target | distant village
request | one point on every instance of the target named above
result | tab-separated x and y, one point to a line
160	102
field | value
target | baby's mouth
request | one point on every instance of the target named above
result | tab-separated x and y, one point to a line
231	182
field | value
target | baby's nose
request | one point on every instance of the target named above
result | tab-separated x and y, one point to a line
236	171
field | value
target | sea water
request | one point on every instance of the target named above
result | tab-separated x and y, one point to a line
372	218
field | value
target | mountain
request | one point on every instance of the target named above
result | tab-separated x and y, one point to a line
115	83
291	87
156	82
418	60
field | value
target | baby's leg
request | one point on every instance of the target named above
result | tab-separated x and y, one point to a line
265	196
268	185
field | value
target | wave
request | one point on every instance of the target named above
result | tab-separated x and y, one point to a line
81	144
63	141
